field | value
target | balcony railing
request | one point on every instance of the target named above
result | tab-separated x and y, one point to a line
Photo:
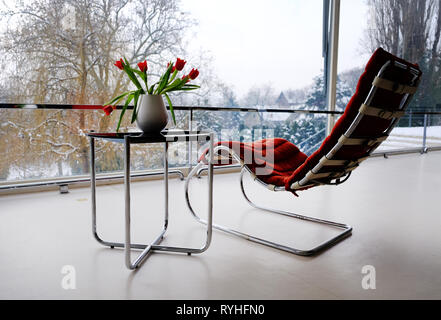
46	144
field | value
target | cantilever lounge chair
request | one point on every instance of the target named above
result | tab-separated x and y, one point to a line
383	92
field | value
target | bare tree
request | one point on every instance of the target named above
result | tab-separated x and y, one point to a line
410	29
297	96
402	27
69	46
228	95
263	95
62	51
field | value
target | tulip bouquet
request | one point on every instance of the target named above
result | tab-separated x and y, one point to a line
168	82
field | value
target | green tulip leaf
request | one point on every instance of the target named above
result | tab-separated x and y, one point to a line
129	98
135	105
171	108
164	79
173	76
131	74
175	84
116	98
141	74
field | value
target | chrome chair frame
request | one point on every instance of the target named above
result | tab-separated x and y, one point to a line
305	182
345	233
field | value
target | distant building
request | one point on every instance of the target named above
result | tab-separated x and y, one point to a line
282	101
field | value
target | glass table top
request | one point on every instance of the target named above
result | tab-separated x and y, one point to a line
163	136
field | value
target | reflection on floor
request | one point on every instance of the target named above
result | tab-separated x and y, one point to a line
393	205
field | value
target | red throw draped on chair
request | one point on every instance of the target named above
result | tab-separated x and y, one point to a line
286	158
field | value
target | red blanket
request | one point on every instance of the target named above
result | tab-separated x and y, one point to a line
272	160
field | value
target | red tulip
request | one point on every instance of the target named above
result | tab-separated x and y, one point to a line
180	64
119	64
108	110
143	66
185	77
172	69
193	74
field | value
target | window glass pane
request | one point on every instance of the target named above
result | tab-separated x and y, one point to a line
249	54
306	131
43	143
63	51
410	30
259	49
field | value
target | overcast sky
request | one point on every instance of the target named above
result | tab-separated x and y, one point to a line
255	42
279	41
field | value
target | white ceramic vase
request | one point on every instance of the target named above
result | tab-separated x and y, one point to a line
152	115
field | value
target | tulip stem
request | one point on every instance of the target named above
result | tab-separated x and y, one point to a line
173	76
146	84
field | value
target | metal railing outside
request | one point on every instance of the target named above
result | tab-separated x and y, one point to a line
423	134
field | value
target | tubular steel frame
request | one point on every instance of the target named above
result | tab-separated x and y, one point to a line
347	230
155	245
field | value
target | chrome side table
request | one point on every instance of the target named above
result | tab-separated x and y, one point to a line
165	137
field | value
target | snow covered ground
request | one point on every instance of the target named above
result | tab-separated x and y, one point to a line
412	137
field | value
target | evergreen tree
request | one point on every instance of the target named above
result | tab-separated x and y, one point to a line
316	99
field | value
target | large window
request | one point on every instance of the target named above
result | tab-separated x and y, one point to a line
249	53
259	50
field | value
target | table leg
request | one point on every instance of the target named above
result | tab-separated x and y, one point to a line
210	212
147	249
93	187
93	201
127	242
166	184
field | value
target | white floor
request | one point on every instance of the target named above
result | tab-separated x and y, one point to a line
393	205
